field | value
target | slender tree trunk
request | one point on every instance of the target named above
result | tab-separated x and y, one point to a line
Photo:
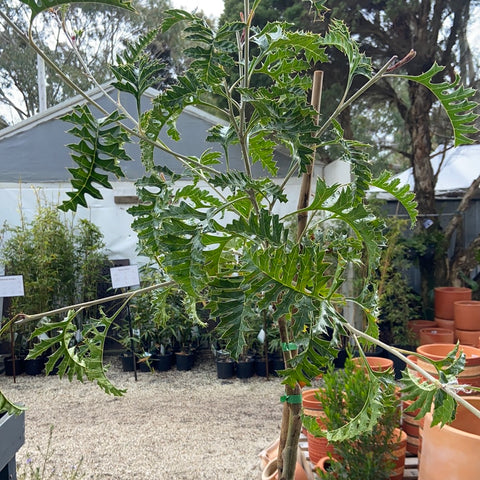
432	266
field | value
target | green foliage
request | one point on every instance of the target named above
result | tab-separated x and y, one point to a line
398	303
100	148
362	412
164	318
76	359
39	7
60	262
455	99
428	396
135	70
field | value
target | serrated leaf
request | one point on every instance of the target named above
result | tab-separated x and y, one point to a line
40	6
82	360
455	99
100	149
402	193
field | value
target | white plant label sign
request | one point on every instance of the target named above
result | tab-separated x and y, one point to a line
126	276
11	286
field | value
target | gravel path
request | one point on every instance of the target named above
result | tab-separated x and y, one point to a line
168	426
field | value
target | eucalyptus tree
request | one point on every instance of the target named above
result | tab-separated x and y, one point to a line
98	33
220	235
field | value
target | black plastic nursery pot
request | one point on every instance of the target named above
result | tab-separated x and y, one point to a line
246	368
9	367
276	363
184	360
225	368
261	367
34	366
162	363
128	364
12	437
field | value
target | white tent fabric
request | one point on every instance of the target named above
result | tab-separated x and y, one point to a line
458	168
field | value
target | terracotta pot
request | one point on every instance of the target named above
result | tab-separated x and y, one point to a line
451	452
377	364
324	463
445	323
399	451
445	297
467	337
436	335
270	471
269	453
467	315
411	427
438	351
416	325
318	447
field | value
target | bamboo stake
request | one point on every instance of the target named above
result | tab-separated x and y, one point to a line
305	189
291	414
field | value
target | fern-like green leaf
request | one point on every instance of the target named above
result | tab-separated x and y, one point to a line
82	360
100	149
229	304
338	36
135	70
40	6
455	99
315	355
402	193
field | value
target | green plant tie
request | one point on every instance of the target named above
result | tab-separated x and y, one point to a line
286	347
295	399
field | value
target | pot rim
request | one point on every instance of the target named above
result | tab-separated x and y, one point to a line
467	303
450	428
452	289
472	354
436	329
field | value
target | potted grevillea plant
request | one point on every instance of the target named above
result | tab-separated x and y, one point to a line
226	235
377	452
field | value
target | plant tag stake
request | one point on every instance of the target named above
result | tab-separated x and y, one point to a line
11	286
126	276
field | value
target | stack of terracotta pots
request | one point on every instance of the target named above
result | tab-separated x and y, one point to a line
318	447
436	335
470	374
411	426
445	298
415	326
467	322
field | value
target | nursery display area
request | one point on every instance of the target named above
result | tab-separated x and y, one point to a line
267	333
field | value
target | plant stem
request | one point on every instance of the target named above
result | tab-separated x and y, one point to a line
398	353
21	318
291	418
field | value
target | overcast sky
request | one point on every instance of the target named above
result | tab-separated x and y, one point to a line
212	8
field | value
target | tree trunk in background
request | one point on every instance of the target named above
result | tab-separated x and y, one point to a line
432	263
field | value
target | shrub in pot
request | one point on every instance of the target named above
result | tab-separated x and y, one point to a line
372	454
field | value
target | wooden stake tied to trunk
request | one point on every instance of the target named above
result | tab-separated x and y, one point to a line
291	414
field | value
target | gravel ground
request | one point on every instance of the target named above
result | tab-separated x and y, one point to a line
169	425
